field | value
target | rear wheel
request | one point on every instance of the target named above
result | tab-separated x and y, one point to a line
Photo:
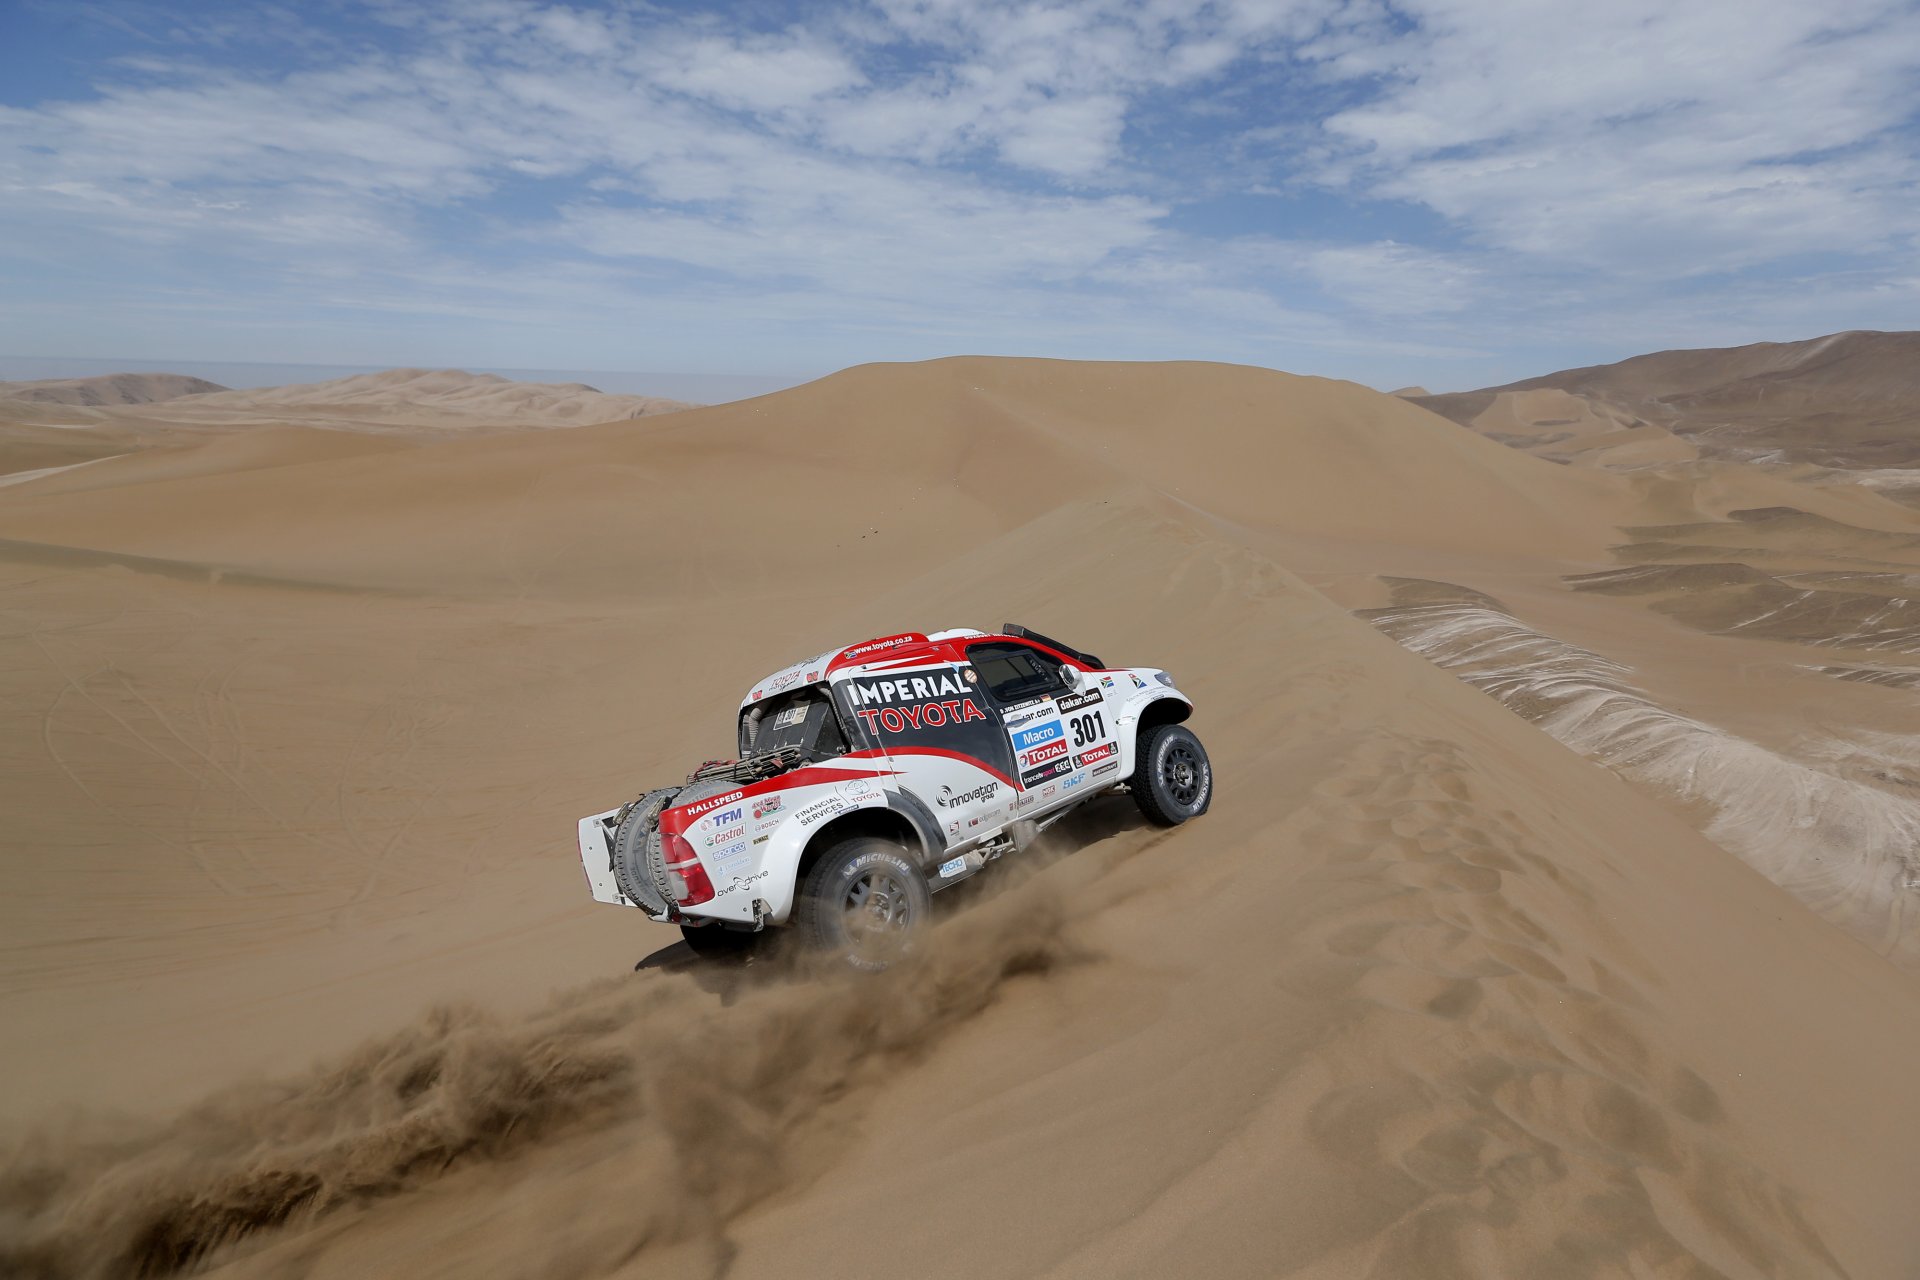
865	902
1172	777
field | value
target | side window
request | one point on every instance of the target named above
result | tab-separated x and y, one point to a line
1014	673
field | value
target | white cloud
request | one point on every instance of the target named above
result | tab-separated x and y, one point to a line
985	171
1394	279
1642	135
752	76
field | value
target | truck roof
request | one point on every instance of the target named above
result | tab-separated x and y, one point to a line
880	653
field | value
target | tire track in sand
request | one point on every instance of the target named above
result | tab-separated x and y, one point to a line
1541	1092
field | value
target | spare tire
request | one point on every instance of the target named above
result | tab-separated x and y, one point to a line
639	868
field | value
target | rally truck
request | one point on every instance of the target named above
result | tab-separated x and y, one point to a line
873	776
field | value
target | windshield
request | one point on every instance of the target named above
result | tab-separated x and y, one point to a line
803	718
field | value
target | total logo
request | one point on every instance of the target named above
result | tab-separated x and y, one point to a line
1040	755
948	800
1093	755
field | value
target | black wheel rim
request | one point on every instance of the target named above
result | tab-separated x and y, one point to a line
879	911
1181	773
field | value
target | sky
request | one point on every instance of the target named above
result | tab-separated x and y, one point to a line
1453	193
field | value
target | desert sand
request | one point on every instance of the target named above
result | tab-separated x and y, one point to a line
1554	917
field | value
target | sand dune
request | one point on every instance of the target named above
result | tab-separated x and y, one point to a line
113	388
438	398
86	420
301	731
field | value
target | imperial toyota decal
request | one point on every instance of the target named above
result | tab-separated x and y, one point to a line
942	684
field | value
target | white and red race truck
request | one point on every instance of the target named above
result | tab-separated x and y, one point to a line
872	776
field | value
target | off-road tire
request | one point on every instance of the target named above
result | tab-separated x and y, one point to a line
637	865
864	902
633	870
717	942
1172	777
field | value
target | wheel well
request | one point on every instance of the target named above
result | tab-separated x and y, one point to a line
887	823
1162	711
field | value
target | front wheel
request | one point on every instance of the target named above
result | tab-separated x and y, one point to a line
864	902
1172	777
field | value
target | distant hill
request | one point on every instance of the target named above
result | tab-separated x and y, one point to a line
449	396
1849	400
112	388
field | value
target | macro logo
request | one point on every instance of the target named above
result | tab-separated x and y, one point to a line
1028	739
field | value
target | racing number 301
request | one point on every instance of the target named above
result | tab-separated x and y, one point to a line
1087	728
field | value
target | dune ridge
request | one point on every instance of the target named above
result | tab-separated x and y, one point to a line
1844	840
